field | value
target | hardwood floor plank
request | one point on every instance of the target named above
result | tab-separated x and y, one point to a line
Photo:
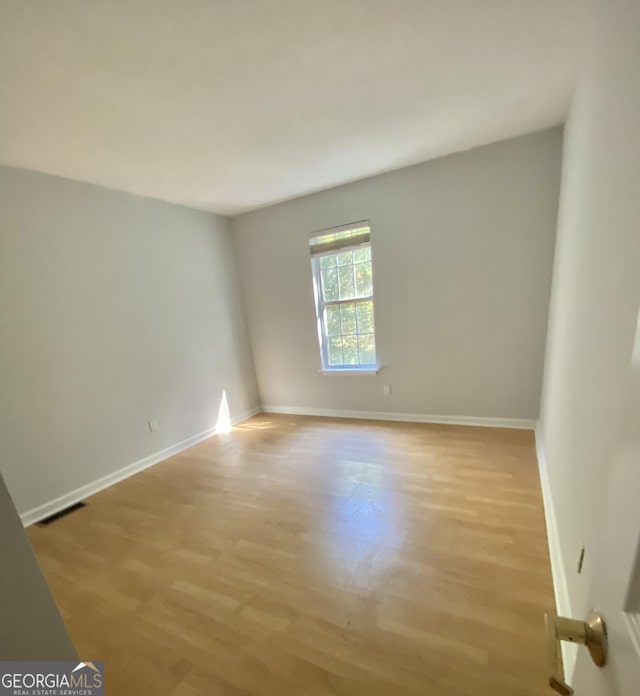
300	555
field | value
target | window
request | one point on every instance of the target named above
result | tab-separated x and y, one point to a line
343	286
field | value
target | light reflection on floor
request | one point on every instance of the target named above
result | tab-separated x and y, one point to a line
363	523
250	425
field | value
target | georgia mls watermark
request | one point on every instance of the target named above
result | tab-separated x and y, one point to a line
52	678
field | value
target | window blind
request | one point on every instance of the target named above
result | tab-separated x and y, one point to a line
339	238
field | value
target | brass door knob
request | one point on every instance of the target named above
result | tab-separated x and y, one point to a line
592	633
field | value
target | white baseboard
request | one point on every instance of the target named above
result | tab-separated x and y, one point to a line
518	423
246	415
75	496
560	586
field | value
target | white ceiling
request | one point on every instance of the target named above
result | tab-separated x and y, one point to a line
229	105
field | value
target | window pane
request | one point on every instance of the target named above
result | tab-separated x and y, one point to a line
367	349
362	254
344	277
344	258
328	261
330	284
350	344
348	315
334	350
364	284
332	319
347	288
364	313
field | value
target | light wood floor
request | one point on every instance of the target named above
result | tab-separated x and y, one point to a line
313	556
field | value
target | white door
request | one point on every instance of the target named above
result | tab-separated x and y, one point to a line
615	586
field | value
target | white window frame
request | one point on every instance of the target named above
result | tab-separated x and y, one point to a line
320	304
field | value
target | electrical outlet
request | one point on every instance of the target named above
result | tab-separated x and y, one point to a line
386	390
580	560
153	425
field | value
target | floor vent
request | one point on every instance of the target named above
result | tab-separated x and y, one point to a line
52	518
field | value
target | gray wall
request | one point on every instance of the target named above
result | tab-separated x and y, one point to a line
462	257
114	309
31	627
596	289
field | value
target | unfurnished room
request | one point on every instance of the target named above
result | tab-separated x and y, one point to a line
319	347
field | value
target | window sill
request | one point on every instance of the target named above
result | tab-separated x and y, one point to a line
351	371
